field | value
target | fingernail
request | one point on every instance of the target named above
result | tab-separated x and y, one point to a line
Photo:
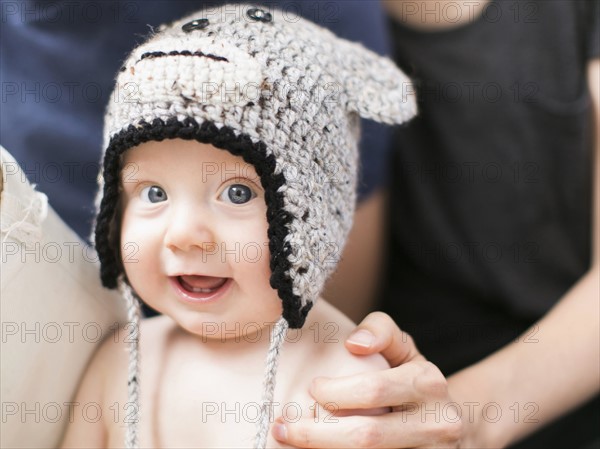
362	338
279	432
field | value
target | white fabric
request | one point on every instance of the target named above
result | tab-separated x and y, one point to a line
53	313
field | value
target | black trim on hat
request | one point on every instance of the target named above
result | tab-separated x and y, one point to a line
238	145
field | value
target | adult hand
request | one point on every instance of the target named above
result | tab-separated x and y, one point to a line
422	413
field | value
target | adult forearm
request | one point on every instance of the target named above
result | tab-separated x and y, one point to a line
548	371
551	368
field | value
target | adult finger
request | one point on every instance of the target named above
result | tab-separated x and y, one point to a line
393	430
379	333
416	381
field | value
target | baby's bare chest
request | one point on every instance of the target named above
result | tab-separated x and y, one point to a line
200	403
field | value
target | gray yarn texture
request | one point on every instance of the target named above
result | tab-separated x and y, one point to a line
288	83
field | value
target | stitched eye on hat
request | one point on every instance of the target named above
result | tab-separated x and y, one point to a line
260	15
198	24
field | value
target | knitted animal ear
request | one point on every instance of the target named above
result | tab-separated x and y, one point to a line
376	88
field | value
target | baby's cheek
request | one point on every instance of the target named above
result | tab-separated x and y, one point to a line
137	256
255	256
130	254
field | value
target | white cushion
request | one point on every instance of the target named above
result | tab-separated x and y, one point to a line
54	313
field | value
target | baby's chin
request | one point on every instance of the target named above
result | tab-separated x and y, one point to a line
214	329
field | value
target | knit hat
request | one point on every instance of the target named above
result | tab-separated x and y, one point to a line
286	96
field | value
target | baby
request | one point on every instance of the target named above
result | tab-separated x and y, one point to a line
227	194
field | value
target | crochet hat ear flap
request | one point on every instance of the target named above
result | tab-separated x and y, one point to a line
375	88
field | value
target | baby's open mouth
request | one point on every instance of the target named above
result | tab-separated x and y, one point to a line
198	289
201	284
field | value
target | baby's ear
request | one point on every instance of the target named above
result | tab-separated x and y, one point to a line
376	88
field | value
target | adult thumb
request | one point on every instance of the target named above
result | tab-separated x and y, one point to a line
379	333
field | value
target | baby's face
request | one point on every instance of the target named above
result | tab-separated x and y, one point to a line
194	237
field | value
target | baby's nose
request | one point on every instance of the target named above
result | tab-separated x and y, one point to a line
188	230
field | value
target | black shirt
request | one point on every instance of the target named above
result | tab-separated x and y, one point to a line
490	200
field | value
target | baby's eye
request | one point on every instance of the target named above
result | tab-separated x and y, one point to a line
237	194
153	194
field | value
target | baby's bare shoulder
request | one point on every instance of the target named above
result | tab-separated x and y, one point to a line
320	352
329	328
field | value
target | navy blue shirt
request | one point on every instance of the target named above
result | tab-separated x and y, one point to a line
59	60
